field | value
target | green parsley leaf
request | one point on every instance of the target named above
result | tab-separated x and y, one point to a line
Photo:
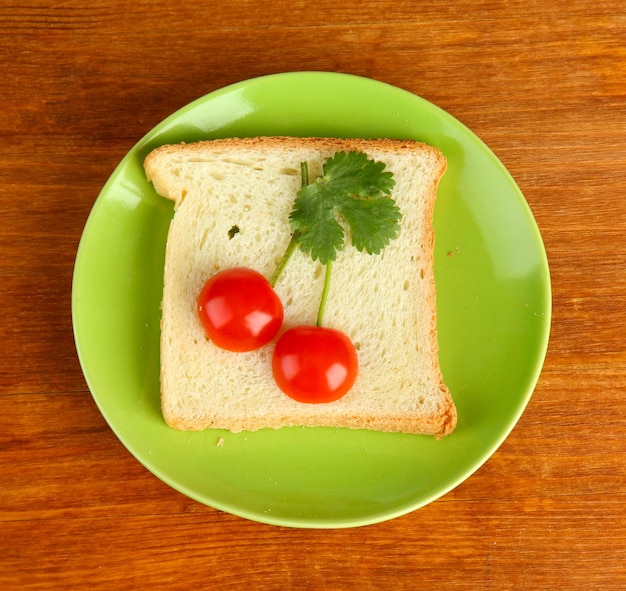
356	189
373	221
314	218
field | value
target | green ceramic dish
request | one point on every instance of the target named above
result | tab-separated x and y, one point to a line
494	305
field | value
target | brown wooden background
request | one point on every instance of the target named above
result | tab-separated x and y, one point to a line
543	83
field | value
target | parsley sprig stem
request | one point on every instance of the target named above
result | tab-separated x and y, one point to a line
320	311
280	267
282	263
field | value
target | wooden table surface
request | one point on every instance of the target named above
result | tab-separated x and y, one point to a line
543	83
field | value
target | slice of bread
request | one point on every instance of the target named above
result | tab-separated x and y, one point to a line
232	203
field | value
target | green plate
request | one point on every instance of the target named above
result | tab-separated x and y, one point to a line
494	305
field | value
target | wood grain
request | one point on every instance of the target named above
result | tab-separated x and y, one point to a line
542	83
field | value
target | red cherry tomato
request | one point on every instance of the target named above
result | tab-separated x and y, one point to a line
314	364
239	309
